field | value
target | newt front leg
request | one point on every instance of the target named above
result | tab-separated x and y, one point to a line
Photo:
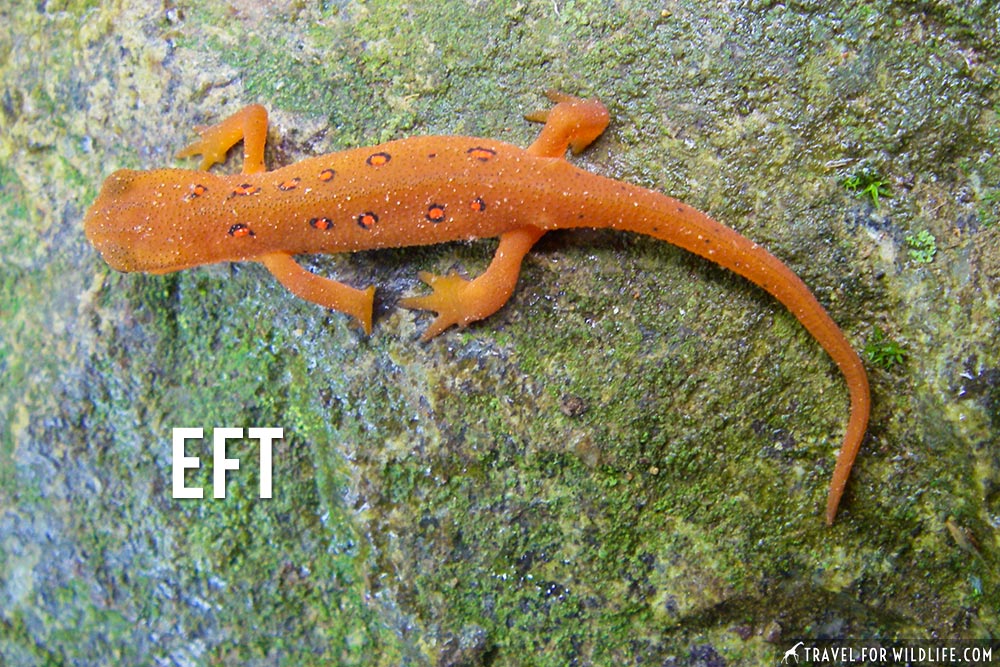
249	124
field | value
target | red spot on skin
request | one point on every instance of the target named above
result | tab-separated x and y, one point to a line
367	219
290	184
321	223
239	230
482	154
378	159
478	205
327	175
245	189
435	213
197	190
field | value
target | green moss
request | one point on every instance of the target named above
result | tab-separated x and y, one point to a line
989	208
75	7
882	351
867	183
922	247
983	169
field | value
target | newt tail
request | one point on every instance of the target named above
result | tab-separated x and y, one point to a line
694	231
573	123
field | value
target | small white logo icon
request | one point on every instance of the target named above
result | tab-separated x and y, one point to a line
792	653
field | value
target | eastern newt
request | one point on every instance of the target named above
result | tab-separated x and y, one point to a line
426	190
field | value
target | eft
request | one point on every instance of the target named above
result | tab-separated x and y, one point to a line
426	190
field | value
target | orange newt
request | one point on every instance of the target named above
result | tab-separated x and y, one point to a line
418	191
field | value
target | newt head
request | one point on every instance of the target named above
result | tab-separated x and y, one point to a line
148	221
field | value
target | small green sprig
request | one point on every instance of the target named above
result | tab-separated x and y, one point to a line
867	182
883	351
923	247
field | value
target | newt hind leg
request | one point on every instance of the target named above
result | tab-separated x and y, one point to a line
459	301
248	124
572	123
